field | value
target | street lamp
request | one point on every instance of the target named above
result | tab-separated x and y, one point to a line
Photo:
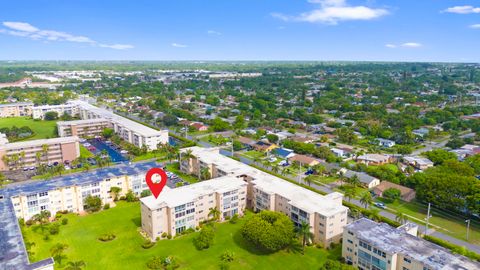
468	227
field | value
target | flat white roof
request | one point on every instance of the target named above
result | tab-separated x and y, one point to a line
181	195
120	120
300	197
16	145
81	122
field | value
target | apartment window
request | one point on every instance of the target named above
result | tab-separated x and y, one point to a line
407	260
320	224
350	241
404	268
43	194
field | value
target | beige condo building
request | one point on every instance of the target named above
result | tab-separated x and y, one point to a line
32	153
379	246
83	128
179	209
325	214
16	109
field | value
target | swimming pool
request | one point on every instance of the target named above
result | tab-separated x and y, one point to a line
115	156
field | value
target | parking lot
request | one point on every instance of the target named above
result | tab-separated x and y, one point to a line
173	179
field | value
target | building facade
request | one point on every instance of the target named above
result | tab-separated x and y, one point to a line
16	109
32	153
83	128
179	209
38	112
379	246
325	214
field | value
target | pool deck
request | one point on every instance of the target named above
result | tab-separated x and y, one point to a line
13	255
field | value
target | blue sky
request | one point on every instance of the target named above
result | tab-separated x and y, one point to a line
380	30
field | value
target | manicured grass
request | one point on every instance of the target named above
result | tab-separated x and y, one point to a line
150	155
125	251
42	129
84	153
253	154
444	222
324	179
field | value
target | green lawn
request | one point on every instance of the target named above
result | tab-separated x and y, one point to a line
125	252
174	168
324	179
252	154
42	129
84	153
445	223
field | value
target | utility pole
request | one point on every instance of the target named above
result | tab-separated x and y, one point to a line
427	218
468	227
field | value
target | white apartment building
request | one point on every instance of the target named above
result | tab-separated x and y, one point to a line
131	131
16	109
69	192
38	112
176	210
325	214
379	246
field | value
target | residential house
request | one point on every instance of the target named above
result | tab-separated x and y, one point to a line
366	180
406	194
374	159
385	143
304	160
419	163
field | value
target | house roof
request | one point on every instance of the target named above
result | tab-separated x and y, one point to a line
304	159
384	185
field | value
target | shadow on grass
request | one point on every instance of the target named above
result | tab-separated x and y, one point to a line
244	244
137	221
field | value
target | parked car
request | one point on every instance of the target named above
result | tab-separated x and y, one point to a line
283	163
309	172
380	205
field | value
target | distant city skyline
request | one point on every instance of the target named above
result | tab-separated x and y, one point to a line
323	30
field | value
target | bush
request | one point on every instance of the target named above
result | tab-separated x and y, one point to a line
107	237
227	256
29	222
224	266
162	263
234	219
148	244
92	204
205	238
145	193
164	235
54	229
64	221
58	215
106	206
169	236
268	230
130	196
391	194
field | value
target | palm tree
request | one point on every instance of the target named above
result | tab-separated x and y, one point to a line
401	217
75	265
205	174
256	160
57	252
304	231
350	193
285	171
308	180
42	218
115	191
45	151
319	169
366	199
354	180
275	168
374	214
214	213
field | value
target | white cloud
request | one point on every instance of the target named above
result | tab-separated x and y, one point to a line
463	9
475	26
178	45
334	11
411	45
20	26
22	29
404	45
117	46
214	33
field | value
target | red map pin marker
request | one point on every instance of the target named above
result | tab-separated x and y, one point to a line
156	188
